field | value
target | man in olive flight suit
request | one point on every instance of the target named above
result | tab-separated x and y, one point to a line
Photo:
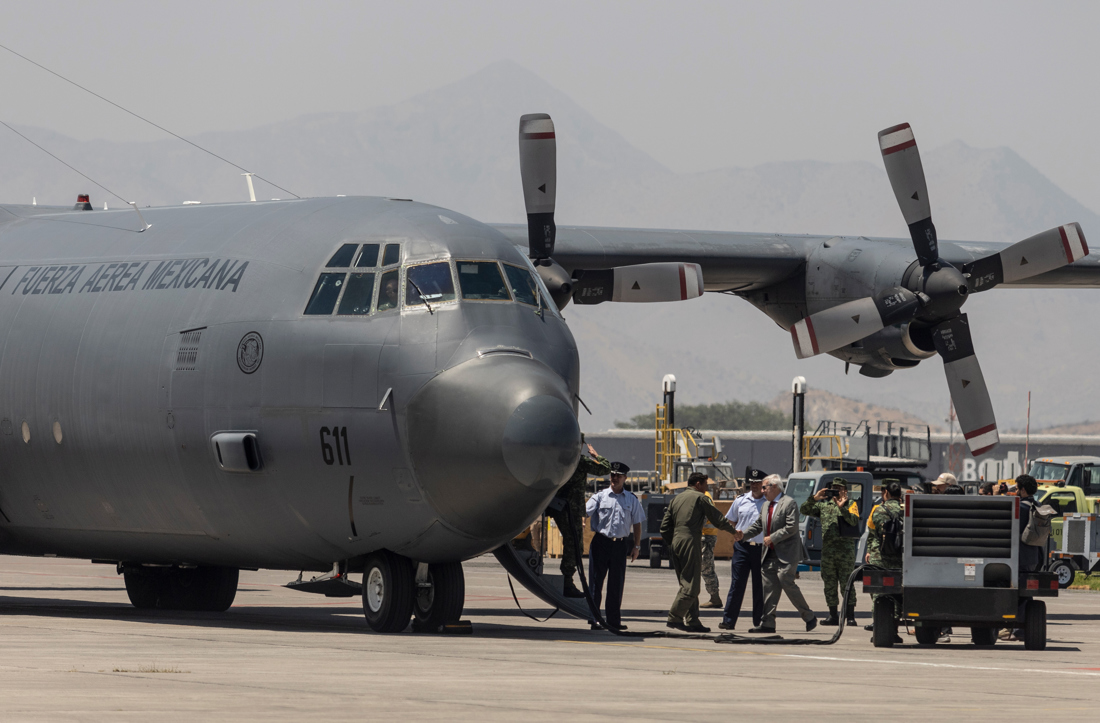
573	494
682	530
838	553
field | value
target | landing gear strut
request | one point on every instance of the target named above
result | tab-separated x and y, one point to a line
209	589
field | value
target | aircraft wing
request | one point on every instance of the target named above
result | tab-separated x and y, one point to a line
733	261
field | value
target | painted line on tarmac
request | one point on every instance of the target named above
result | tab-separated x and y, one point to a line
1074	671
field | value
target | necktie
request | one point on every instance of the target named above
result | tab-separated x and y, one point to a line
771	509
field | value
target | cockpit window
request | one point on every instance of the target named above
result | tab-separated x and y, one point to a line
325	294
482	280
523	285
432	280
392	255
368	258
357	295
342	257
388	291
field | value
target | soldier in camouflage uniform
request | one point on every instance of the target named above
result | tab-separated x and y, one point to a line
710	577
573	494
890	507
838	553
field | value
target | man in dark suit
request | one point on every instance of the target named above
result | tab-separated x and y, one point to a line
782	552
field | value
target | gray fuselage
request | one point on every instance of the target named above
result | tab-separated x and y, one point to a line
122	355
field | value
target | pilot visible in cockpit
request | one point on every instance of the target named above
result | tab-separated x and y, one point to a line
388	298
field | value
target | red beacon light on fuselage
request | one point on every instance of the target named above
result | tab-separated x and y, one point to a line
83	203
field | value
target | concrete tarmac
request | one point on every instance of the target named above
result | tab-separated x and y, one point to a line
74	649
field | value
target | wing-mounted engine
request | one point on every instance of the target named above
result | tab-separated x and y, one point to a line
926	299
638	283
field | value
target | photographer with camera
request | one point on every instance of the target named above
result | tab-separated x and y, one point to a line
838	553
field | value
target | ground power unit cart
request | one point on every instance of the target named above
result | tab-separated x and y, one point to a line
960	569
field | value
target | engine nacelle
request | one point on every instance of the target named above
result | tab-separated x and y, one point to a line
894	348
642	283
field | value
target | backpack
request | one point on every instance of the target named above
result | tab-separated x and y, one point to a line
893	534
1037	530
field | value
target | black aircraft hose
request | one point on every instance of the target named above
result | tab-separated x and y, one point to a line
731	638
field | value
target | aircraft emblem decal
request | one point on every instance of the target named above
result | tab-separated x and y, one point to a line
250	352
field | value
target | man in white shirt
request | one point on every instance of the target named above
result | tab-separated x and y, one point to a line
746	553
616	516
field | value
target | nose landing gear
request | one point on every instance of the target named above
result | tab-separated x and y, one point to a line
440	596
394	591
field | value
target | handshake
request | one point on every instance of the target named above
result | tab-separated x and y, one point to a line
738	536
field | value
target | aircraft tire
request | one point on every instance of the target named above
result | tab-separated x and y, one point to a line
210	589
442	603
1035	625
143	589
388	588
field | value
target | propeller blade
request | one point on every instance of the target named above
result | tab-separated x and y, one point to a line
903	167
967	385
538	168
1039	254
639	284
846	323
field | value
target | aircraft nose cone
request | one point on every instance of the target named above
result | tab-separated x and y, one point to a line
541	439
491	440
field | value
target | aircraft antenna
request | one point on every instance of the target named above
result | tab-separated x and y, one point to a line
159	127
144	225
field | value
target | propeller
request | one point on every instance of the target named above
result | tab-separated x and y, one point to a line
938	291
638	283
538	168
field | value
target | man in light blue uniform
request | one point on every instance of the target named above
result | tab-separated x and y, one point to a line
746	553
616	517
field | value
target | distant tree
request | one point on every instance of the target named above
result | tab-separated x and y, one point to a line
731	415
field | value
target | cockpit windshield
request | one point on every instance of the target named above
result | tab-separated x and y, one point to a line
523	285
429	282
353	283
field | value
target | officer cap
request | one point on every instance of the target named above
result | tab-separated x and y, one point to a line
619	468
755	475
839	483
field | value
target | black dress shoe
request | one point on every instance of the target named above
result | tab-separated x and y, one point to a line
869	627
761	629
696	628
811	624
726	626
675	624
595	626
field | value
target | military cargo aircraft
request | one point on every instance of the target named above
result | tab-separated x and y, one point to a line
382	386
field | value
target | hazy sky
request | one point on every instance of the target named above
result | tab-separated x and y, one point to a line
696	85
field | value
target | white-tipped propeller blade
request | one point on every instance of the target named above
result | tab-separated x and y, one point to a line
641	283
538	168
1039	254
846	323
903	167
964	378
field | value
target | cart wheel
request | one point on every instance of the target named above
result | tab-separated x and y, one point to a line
984	637
1066	572
886	628
654	555
927	635
1035	625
